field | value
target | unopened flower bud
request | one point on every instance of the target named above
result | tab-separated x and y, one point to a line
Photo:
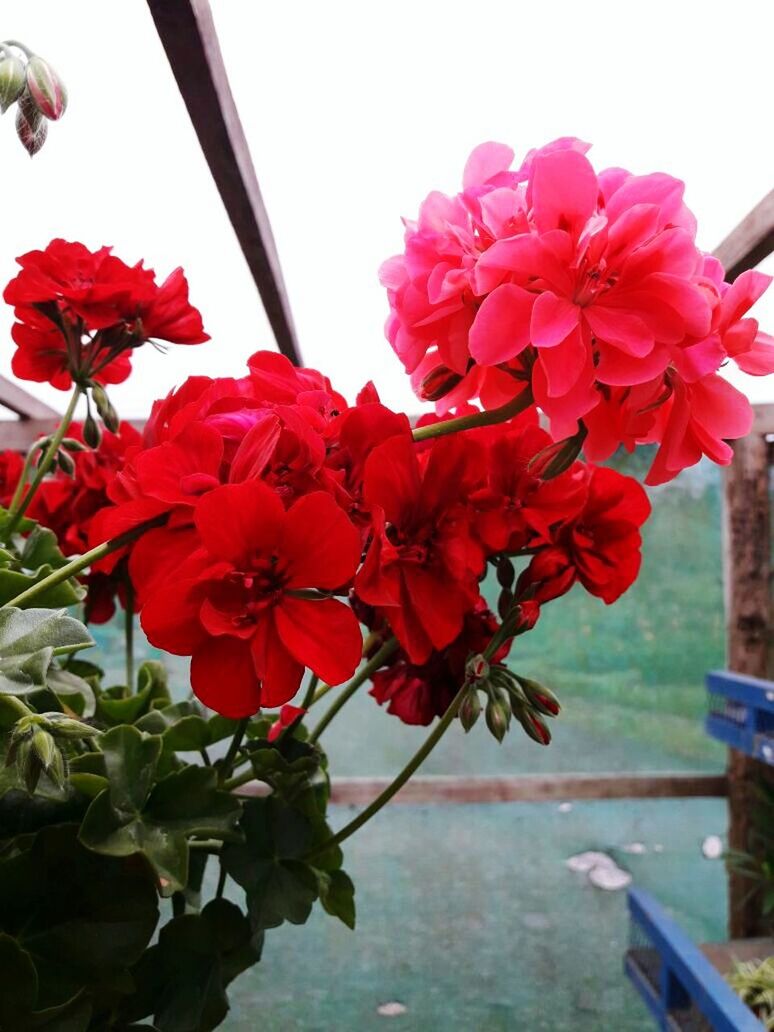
535	726
65	463
557	457
28	766
540	697
46	88
506	574
438	383
470	709
44	746
31	126
12	79
71	445
92	434
498	717
107	413
62	726
477	668
504	603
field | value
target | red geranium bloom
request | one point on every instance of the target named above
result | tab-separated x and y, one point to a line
600	548
417	693
80	313
288	715
421	570
233	606
11	465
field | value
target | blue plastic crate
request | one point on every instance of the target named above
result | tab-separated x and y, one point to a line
741	713
680	986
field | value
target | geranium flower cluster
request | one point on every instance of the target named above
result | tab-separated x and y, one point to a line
80	313
286	512
67	501
583	294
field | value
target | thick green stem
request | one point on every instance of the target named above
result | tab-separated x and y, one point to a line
309	694
395	786
362	675
76	565
44	465
227	765
129	632
25	473
486	418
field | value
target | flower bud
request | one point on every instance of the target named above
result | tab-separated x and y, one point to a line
107	413
535	726
506	574
470	709
28	766
557	457
438	383
12	79
504	603
477	668
92	434
62	726
65	463
44	747
498	717
46	88
540	697
31	126
71	445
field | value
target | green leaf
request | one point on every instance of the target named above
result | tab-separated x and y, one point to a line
24	633
83	920
278	885
119	705
14	582
183	979
18	984
285	765
135	816
77	693
337	895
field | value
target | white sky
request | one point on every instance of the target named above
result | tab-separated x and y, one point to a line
354	111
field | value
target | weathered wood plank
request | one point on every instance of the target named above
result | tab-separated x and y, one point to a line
750	242
187	32
524	789
17	400
19	434
747	558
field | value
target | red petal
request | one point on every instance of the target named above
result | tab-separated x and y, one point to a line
238	520
223	677
324	635
320	542
553	318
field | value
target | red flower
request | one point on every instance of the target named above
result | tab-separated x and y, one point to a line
234	605
421	570
288	715
80	313
600	547
11	465
417	693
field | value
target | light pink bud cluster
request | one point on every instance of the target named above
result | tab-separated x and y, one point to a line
36	88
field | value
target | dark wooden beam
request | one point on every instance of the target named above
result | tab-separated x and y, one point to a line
187	32
19	434
751	241
747	551
531	788
17	400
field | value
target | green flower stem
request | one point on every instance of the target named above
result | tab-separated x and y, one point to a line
486	418
227	765
129	632
25	473
309	695
76	565
395	786
20	46
362	675
210	845
18	511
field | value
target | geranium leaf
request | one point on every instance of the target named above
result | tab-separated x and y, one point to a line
337	895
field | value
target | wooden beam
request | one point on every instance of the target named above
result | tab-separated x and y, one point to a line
187	32
18	434
524	789
747	551
17	400
751	241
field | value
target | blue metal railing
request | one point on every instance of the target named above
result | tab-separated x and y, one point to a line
742	713
674	977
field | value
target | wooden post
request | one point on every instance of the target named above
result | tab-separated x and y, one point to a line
747	560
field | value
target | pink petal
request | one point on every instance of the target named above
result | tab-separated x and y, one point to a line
501	329
563	190
564	364
486	161
553	318
622	329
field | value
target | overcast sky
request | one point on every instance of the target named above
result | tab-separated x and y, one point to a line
355	111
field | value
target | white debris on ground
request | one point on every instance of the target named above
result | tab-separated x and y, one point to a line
601	870
391	1010
636	848
564	807
712	847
